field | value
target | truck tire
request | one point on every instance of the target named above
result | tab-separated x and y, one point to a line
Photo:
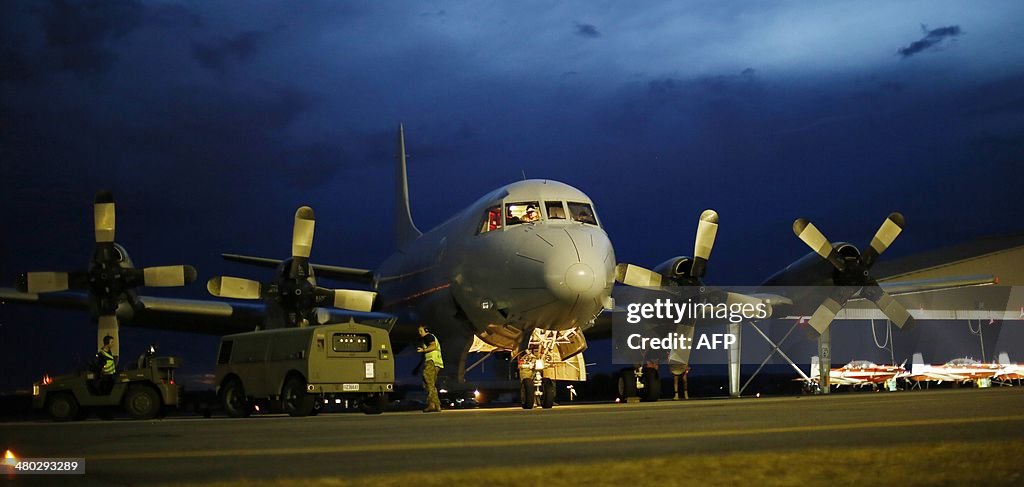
526	393
232	397
62	406
294	399
652	385
547	399
627	384
373	404
141	402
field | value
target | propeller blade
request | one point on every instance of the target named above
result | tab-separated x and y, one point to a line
632	275
234	287
168	276
707	228
302	233
103	217
891	308
678	356
890	229
350	299
42	282
732	298
810	235
828	309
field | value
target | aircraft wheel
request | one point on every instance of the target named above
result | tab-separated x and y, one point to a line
295	400
62	406
141	402
547	399
234	401
526	393
627	384
652	385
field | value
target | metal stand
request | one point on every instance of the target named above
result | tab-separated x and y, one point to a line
734	360
776	348
825	360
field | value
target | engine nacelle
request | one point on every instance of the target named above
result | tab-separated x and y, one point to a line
847	250
676	268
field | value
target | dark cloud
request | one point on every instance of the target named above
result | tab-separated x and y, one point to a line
931	39
215	56
40	39
587	30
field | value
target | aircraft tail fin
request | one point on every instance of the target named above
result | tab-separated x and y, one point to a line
815	368
405	229
917	364
1004	358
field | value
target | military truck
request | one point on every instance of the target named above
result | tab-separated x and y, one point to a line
143	391
298	368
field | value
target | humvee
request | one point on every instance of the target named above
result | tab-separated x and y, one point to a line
143	392
298	368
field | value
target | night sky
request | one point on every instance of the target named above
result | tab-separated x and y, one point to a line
212	122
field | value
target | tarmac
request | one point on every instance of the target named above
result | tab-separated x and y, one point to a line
195	450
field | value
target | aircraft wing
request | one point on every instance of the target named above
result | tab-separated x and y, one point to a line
349	274
193	315
69	300
902	288
602	326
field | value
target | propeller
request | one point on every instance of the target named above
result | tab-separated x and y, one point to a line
679	271
294	290
110	279
852	272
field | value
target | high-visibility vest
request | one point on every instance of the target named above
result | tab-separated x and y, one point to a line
435	355
109	368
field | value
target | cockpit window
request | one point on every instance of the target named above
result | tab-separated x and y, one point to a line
582	212
522	212
556	210
492	220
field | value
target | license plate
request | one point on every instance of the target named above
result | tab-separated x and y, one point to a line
350	387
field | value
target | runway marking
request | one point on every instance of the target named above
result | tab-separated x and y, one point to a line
546	441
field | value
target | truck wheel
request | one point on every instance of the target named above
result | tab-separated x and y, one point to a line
141	402
234	401
627	384
62	406
526	393
547	399
294	399
373	404
652	385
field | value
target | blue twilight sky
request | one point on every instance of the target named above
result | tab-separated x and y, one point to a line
212	122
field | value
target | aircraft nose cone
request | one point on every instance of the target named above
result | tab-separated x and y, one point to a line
579	277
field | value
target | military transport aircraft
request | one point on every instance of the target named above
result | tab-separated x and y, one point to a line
527	269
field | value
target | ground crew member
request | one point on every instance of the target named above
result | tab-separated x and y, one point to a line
432	364
107	366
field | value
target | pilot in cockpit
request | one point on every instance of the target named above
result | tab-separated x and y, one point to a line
531	214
